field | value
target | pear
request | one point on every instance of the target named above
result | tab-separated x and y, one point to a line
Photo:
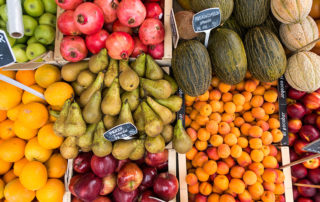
132	97
123	148
59	124
164	113
78	89
160	89
74	124
167	133
85	141
173	83
125	115
96	85
69	148
99	62
54	113
155	144
92	111
70	71
139	118
112	72
174	116
109	121
142	92
153	71
111	103
139	65
86	78
129	79
101	147
153	123
139	151
181	142
174	103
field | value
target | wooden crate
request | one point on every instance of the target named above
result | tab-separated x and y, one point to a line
166	60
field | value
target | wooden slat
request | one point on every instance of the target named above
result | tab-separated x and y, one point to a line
172	165
285	154
182	177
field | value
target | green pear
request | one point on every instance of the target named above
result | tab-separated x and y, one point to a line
167	133
85	141
112	72
153	71
128	79
59	124
70	71
109	121
173	83
86	78
78	89
96	85
74	124
101	147
99	62
122	149
160	89
69	148
155	144
132	98
125	115
111	103
181	142
139	151
153	123
163	112
139	65
92	111
139	118
174	103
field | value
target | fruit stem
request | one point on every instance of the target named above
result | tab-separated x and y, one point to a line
124	55
131	21
82	19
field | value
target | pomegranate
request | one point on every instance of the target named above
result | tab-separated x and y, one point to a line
108	27
73	48
154	10
66	24
151	32
131	12
296	110
68	4
156	51
139	47
312	100
88	17
109	8
120	45
97	41
118	27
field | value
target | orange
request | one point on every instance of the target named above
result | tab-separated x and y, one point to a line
28	97
3	115
4	166
47	75
1	188
25	77
23	132
54	96
10	96
6	129
9	176
13	112
33	175
8	73
52	191
56	166
15	192
47	138
12	150
34	151
18	166
33	115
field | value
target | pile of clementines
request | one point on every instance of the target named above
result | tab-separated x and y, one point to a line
30	165
234	129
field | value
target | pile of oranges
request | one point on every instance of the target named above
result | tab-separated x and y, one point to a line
234	129
30	165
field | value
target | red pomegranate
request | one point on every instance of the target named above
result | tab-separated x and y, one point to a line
66	24
154	10
156	51
97	41
131	12
151	32
68	4
120	45
109	8
88	17
139	47
73	48
118	27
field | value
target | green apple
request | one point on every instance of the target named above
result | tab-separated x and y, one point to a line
30	25
11	40
22	40
32	40
19	52
35	8
34	50
3	24
50	6
48	19
2	2
3	13
45	34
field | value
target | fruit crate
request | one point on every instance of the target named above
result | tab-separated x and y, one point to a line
166	60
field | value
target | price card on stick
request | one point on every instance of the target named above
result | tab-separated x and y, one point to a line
123	131
205	21
313	147
6	54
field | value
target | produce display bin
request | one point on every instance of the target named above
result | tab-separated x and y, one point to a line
166	60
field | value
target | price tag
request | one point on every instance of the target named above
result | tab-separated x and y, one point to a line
205	21
181	113
282	98
6	54
174	28
313	147
123	131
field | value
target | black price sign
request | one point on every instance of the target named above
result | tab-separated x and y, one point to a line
6	54
313	147
282	98
124	131
181	113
